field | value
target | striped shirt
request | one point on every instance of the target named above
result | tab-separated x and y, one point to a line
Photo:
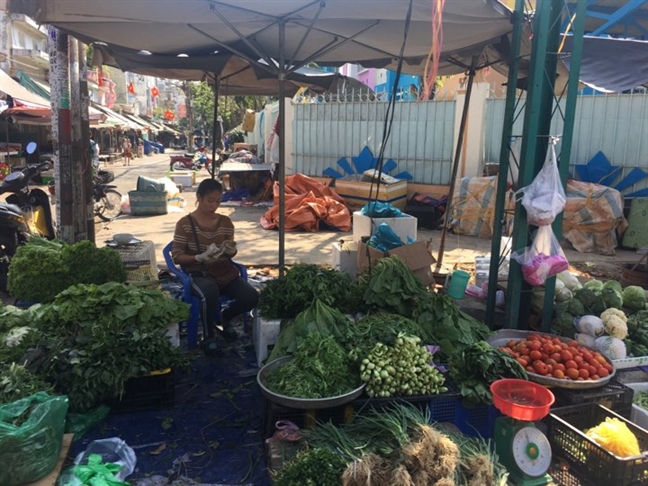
184	243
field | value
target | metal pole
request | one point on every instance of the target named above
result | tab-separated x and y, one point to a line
537	124
282	147
502	176
567	139
457	157
216	134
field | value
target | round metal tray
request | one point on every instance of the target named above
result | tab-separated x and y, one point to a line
500	339
302	403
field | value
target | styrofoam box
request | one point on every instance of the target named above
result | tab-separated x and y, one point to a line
186	179
639	415
264	333
345	257
404	227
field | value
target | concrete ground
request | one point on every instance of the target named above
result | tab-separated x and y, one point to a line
259	247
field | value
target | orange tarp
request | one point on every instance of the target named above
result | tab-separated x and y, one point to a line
307	203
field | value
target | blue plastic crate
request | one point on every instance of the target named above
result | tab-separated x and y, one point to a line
478	420
443	408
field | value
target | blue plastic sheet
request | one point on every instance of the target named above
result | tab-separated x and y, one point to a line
378	209
385	238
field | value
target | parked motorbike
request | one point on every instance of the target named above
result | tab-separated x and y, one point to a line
107	200
191	161
25	212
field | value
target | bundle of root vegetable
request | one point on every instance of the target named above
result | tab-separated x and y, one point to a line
399	447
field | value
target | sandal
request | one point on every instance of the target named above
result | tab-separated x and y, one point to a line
210	347
229	332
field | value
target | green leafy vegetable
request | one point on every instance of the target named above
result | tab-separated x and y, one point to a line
477	366
287	296
319	369
18	382
315	467
393	287
41	269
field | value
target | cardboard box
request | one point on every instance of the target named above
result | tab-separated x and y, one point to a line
405	227
416	256
356	194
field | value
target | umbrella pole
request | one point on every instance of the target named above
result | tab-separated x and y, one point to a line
455	167
216	128
282	147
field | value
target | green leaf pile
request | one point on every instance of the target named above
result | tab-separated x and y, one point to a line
41	269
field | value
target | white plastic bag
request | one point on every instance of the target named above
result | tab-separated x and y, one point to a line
545	197
113	450
543	259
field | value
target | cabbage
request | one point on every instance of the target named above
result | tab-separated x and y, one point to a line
613	284
612	298
634	297
595	285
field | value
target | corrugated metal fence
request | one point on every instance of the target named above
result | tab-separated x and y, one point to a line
420	141
422	137
615	124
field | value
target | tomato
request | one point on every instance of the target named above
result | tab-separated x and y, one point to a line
600	358
548	348
573	344
540	368
558	374
608	367
549	361
566	355
583	373
595	377
511	343
572	373
523	362
560	366
571	364
592	370
535	345
556	357
530	369
586	355
533	337
578	359
535	355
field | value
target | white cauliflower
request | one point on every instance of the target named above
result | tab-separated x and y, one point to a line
614	321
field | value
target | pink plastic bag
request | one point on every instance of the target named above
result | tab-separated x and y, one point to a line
543	259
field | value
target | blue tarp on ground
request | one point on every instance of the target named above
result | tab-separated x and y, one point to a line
213	434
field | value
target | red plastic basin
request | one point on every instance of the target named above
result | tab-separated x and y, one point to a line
521	399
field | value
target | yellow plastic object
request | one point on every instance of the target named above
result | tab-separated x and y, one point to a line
615	436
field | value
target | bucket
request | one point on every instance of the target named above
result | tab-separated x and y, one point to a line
456	283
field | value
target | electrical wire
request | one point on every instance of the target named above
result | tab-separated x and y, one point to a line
389	117
432	61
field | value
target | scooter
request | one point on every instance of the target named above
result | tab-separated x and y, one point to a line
26	212
194	161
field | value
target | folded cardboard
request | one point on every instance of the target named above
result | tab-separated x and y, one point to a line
416	256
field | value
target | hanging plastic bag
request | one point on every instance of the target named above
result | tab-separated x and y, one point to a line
545	197
543	259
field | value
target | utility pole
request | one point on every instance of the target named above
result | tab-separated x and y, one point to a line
190	117
57	43
84	105
80	146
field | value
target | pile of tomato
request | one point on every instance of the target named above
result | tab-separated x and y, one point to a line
549	356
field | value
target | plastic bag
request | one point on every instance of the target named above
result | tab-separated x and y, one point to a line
590	325
111	451
545	197
385	238
379	209
543	259
30	448
611	347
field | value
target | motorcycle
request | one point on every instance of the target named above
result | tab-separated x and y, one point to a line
189	161
24	213
107	200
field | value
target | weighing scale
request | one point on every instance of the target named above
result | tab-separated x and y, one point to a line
521	447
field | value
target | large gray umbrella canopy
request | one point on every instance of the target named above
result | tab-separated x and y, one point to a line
331	32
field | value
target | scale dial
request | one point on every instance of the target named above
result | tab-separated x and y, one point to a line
531	451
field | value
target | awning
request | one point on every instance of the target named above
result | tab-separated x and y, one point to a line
19	93
32	85
140	121
117	119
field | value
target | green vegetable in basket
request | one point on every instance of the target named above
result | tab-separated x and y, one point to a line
641	399
315	467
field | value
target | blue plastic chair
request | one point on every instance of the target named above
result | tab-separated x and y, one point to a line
193	300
